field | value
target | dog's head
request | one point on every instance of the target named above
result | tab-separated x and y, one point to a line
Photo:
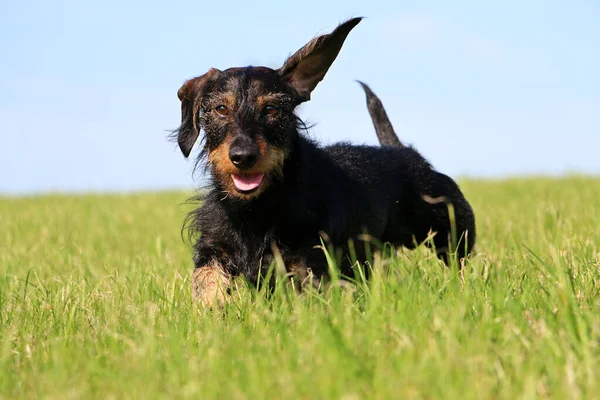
248	115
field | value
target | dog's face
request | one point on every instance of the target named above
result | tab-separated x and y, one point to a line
248	115
248	118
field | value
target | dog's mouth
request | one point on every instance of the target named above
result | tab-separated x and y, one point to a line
247	183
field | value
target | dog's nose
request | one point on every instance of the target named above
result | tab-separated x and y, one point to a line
243	157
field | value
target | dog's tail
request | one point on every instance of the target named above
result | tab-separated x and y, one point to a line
381	122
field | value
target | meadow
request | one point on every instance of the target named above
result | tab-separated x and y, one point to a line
95	302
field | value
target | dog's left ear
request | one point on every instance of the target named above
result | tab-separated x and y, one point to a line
308	66
190	95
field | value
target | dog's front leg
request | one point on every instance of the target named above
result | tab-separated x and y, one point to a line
210	285
303	275
306	264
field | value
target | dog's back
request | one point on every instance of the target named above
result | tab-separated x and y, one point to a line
434	191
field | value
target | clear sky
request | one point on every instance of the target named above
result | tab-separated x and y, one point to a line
88	88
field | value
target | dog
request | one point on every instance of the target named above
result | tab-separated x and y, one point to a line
275	194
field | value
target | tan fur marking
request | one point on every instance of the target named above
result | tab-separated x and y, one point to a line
210	284
227	99
270	162
219	158
264	100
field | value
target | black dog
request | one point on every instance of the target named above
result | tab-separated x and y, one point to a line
274	191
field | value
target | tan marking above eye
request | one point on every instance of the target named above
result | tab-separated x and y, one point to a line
222	110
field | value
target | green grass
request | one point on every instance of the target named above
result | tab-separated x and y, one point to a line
95	302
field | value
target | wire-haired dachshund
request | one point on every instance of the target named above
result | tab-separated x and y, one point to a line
275	193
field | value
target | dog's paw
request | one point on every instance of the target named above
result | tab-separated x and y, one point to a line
210	285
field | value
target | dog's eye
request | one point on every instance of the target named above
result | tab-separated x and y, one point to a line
222	110
270	110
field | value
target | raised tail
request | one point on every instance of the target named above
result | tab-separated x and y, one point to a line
381	122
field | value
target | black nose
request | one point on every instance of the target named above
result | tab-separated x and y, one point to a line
243	157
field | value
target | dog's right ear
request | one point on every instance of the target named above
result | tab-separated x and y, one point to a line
308	66
190	95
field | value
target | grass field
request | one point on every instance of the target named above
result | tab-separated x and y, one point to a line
95	302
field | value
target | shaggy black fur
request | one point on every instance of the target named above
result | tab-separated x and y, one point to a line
344	191
442	192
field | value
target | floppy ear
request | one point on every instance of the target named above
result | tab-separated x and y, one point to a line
190	95
307	67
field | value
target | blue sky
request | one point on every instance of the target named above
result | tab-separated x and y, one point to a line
88	89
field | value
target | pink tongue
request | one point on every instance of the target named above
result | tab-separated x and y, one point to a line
247	182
